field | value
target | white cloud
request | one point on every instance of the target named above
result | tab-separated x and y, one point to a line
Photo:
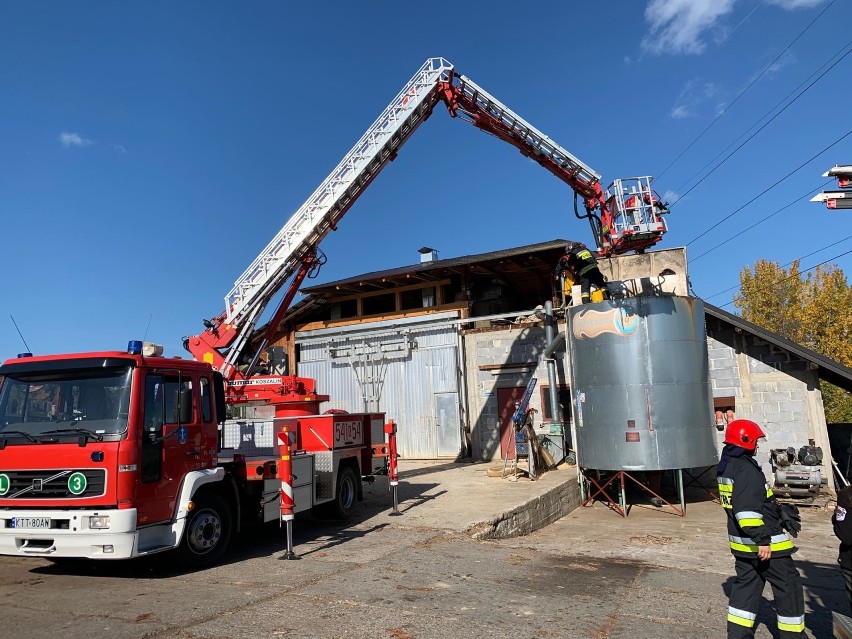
670	196
692	97
68	139
119	147
677	26
788	58
791	5
680	112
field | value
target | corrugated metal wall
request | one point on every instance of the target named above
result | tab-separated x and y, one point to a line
407	369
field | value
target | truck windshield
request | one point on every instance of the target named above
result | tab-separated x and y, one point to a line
65	404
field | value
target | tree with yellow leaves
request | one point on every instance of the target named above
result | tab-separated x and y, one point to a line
814	311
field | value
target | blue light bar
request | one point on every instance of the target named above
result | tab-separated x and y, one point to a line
25	354
134	347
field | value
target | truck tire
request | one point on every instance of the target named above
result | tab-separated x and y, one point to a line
208	531
346	493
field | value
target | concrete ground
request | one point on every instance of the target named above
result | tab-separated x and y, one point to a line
676	559
446	568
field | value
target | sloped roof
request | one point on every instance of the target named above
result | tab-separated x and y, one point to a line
829	370
436	266
523	262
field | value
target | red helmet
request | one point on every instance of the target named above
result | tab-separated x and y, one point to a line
743	433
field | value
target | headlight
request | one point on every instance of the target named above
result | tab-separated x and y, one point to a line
101	521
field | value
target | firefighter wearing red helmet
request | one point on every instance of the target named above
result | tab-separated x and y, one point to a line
762	550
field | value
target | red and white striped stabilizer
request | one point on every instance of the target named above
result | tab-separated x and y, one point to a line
393	471
285	473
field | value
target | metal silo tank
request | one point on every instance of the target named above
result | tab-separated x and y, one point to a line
640	382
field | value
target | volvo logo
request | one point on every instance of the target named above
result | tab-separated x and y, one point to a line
38	485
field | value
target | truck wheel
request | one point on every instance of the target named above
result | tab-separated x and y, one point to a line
346	494
207	533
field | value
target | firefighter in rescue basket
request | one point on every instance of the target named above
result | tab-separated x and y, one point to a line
581	263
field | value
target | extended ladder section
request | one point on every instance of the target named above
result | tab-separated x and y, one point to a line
489	114
619	224
324	208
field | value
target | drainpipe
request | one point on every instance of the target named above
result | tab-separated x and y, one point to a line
553	341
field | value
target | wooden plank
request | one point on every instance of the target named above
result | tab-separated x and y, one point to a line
351	321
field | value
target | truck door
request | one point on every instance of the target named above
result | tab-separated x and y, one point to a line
170	443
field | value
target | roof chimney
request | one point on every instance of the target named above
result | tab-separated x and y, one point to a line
427	254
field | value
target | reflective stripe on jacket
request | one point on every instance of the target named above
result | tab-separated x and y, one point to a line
752	510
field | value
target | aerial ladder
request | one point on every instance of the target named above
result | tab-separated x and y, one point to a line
625	217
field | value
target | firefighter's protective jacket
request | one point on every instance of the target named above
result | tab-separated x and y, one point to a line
842	521
752	510
579	261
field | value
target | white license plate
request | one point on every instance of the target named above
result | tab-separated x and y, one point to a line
30	522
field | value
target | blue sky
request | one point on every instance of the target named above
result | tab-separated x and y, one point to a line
148	152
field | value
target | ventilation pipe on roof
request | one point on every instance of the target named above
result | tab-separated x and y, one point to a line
427	254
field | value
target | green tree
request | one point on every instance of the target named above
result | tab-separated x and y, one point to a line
814	311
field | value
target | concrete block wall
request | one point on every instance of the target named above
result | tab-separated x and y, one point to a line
643	265
770	386
515	344
724	370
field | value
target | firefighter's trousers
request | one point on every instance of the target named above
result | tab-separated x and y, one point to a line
747	589
847	579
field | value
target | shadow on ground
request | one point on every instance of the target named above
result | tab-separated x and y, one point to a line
259	540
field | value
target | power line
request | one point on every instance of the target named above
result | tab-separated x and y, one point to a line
772	186
768	122
744	91
820	250
761	118
761	221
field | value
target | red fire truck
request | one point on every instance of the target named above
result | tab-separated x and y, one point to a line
122	454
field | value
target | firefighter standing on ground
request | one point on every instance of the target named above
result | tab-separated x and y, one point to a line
842	521
582	264
756	523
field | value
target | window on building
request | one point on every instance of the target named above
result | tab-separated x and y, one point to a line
344	309
452	292
417	298
409	300
378	304
563	399
724	409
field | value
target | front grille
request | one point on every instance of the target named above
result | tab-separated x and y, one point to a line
52	484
